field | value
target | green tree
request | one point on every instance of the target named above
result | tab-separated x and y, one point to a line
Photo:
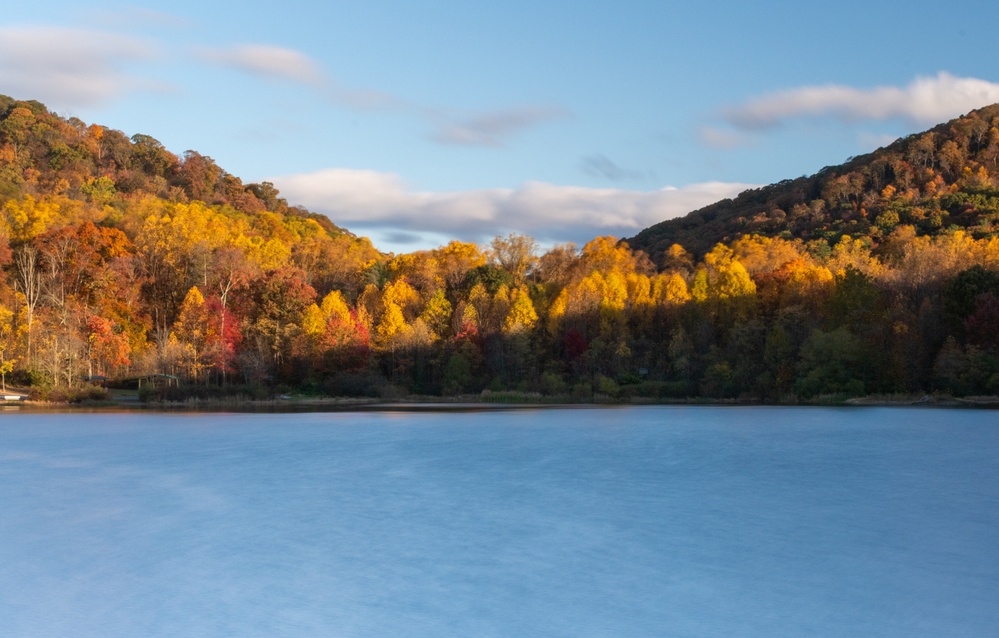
832	362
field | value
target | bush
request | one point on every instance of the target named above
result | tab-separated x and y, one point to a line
607	386
645	390
582	392
180	394
354	384
678	389
27	378
80	394
391	392
89	394
552	383
55	395
510	396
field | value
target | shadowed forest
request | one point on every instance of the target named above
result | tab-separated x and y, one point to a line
121	260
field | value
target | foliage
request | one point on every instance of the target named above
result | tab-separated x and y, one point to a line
122	260
933	181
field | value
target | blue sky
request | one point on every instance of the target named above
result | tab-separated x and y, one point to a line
419	122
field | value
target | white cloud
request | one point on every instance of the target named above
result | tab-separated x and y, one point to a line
365	201
269	62
491	128
927	100
68	68
279	63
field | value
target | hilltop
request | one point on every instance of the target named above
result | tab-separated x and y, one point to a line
937	181
42	153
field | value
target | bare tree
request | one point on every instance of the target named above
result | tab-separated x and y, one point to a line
28	280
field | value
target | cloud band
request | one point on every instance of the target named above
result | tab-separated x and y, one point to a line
367	199
926	100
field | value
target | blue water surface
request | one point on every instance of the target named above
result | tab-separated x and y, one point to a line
630	522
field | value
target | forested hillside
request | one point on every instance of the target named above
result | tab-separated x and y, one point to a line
121	260
936	181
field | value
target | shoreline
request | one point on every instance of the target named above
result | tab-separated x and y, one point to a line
470	403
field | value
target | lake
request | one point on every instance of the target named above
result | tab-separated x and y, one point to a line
630	522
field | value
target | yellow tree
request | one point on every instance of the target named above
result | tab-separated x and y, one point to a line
437	314
465	320
329	324
639	290
490	310
607	253
640	303
340	327
677	259
334	262
765	254
806	284
6	335
391	325
578	307
28	218
853	253
400	293
670	290
193	329
919	260
522	316
613	290
456	259
727	277
335	308
420	269
699	288
500	306
369	306
314	323
989	253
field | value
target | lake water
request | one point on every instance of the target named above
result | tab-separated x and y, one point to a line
629	522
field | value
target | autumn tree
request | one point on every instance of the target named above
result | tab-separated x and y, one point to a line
514	253
107	348
455	260
273	306
6	337
28	281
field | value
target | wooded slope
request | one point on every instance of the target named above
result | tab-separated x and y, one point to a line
937	181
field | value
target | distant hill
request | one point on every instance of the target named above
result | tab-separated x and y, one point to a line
935	180
42	153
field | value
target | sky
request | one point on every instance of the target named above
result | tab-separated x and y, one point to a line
415	123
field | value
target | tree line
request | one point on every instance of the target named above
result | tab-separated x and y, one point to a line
120	260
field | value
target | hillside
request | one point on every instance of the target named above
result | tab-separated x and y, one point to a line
42	153
120	261
931	180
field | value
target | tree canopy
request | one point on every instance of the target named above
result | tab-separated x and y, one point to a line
120	259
